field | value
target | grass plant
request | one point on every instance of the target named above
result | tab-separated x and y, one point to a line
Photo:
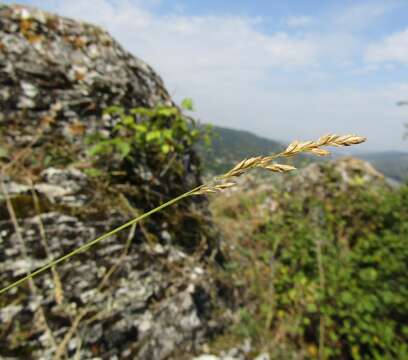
217	184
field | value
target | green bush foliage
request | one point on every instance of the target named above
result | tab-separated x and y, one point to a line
328	274
145	129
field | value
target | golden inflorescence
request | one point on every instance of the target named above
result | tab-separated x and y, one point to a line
266	162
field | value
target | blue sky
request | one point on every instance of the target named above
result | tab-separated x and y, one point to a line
282	69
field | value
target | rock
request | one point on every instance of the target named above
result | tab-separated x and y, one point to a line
147	292
240	352
206	357
263	356
341	173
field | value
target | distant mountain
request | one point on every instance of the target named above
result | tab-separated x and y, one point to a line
230	146
393	164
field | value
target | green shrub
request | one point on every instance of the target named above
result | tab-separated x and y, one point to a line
147	130
332	275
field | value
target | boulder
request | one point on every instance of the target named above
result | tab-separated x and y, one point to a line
145	293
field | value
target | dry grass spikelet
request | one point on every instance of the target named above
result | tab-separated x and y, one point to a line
327	140
210	189
280	168
336	140
243	166
266	162
320	152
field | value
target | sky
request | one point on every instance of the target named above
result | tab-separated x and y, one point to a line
282	69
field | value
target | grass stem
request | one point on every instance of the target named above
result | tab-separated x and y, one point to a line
86	246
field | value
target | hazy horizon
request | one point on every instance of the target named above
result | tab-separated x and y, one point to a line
282	71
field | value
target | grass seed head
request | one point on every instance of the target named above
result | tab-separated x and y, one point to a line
320	152
244	166
211	189
349	140
225	185
280	168
265	162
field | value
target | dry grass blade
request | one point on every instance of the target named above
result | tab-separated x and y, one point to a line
31	284
68	336
59	292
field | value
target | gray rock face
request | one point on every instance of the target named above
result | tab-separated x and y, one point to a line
63	68
142	310
341	173
146	293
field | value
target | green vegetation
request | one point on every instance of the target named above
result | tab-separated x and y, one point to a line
147	130
319	271
324	273
160	136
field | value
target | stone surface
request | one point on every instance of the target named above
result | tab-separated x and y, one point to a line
341	173
147	293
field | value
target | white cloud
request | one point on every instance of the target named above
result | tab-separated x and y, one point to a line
206	41
393	48
362	14
298	21
279	85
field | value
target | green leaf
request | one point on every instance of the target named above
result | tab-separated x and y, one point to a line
118	126
312	308
153	135
143	111
187	104
3	152
100	148
167	111
182	124
93	138
168	134
140	128
166	148
114	110
93	172
123	147
128	120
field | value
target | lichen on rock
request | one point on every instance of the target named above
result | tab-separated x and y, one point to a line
138	294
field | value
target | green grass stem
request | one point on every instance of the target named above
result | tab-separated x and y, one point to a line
95	241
